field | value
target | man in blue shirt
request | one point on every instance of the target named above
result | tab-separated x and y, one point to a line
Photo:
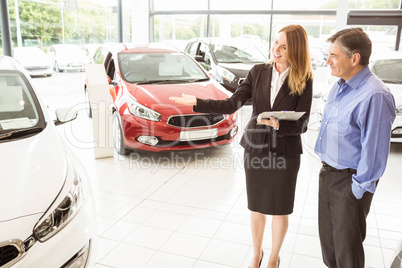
353	145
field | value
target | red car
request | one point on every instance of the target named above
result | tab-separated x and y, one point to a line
144	118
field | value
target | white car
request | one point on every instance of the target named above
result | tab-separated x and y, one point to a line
67	57
396	261
47	213
34	60
389	70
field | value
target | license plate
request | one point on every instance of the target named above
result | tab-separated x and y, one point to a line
193	135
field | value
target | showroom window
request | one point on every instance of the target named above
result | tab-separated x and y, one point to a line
180	5
382	37
305	5
43	23
175	29
240	4
372	4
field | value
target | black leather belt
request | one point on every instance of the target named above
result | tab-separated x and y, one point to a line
332	169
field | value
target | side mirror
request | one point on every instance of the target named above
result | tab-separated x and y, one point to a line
64	115
199	58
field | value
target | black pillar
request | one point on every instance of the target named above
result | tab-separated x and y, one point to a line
5	28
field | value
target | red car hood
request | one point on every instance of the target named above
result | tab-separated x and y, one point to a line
156	96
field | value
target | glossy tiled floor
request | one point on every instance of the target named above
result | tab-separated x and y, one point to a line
188	209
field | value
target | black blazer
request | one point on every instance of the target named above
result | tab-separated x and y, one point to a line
262	138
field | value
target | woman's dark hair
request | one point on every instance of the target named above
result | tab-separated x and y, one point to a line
353	40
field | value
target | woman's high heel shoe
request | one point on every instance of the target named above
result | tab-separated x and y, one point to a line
262	255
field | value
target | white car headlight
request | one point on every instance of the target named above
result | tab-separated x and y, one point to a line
64	212
225	74
141	111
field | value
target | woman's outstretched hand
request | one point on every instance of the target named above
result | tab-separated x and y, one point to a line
185	99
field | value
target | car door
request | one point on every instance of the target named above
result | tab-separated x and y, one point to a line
208	62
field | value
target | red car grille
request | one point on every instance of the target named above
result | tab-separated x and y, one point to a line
163	143
195	120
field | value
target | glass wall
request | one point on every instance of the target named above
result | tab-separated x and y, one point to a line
259	20
43	23
374	4
382	37
177	29
180	5
305	5
239	4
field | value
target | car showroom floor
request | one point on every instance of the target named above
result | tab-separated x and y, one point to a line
188	208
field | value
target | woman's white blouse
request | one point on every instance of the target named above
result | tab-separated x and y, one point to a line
276	82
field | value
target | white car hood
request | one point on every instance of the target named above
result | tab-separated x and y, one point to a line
35	61
396	90
32	174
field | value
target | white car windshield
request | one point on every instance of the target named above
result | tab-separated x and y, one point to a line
388	70
19	108
237	54
159	68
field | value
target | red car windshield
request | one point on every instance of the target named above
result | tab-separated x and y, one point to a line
142	68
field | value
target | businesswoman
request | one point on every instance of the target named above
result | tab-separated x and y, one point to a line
272	147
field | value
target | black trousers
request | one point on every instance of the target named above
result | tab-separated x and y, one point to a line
341	220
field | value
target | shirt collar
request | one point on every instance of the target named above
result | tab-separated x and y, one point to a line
355	81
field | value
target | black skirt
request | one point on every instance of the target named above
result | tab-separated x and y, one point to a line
271	182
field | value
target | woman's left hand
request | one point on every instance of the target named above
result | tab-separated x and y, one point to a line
272	121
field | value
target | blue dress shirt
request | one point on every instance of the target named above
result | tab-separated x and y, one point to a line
355	130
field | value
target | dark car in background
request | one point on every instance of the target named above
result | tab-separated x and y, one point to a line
228	61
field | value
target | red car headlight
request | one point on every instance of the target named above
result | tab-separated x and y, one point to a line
141	111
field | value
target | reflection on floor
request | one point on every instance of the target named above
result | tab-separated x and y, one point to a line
188	209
